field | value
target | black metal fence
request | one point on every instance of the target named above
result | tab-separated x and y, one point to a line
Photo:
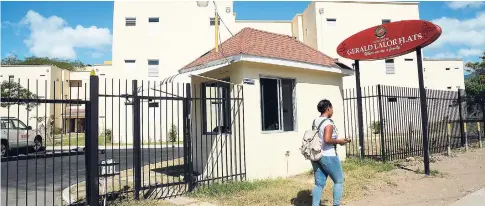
392	122
111	139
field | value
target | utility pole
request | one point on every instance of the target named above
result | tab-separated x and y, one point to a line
216	19
217	29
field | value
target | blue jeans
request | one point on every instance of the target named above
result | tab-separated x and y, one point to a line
328	166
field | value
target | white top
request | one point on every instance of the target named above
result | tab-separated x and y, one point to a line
328	149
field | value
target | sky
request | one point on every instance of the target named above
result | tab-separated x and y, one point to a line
83	30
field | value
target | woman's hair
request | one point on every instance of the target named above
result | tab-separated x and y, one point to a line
323	105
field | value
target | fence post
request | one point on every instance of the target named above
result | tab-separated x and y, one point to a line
449	139
479	135
460	110
466	137
381	123
91	142
187	139
136	139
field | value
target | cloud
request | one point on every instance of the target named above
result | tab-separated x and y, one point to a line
52	37
467	35
445	55
464	4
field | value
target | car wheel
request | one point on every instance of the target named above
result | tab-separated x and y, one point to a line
37	144
4	149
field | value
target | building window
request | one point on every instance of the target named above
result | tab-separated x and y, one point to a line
385	21
153	19
277	104
457	68
447	68
392	99
11	78
130	21
390	66
449	87
216	107
153	68
213	21
458	87
331	22
408	60
75	83
130	64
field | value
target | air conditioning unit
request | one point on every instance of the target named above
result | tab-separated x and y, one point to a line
202	3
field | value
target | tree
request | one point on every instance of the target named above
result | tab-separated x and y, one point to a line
63	64
475	86
10	89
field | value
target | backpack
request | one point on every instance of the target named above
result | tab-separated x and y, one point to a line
311	145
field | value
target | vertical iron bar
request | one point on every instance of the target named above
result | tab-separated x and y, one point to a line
187	136
92	148
381	123
462	130
136	139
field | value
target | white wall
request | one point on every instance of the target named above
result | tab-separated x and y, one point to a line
359	16
438	77
263	147
182	34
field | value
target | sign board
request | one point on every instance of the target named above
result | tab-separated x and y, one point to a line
389	40
248	81
107	167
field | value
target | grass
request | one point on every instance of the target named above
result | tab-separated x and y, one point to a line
433	172
294	190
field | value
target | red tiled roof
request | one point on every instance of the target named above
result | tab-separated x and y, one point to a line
255	42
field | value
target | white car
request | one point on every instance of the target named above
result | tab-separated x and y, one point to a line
15	134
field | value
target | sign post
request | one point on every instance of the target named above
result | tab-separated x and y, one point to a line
360	118
388	41
424	110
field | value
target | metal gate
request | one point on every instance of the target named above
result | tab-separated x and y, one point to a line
42	155
114	139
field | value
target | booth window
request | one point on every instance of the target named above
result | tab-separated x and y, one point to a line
216	107
277	104
386	21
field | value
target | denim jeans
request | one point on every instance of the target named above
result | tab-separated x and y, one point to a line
328	166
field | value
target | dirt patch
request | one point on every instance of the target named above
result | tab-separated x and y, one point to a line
451	178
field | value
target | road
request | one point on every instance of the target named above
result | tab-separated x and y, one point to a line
39	181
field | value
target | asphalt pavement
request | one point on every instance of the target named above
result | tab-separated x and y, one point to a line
39	179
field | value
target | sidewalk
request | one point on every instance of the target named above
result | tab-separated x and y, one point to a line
475	199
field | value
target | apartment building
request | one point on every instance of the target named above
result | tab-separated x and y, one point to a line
43	81
444	74
152	40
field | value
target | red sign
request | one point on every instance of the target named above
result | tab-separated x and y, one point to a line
389	40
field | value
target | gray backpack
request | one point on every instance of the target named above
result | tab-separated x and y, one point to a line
311	145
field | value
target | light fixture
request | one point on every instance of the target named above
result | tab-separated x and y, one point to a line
320	10
228	10
202	3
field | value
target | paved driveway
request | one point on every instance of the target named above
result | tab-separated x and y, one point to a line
39	181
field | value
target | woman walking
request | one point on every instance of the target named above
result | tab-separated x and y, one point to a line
329	164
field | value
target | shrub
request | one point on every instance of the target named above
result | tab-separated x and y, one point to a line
172	134
376	127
